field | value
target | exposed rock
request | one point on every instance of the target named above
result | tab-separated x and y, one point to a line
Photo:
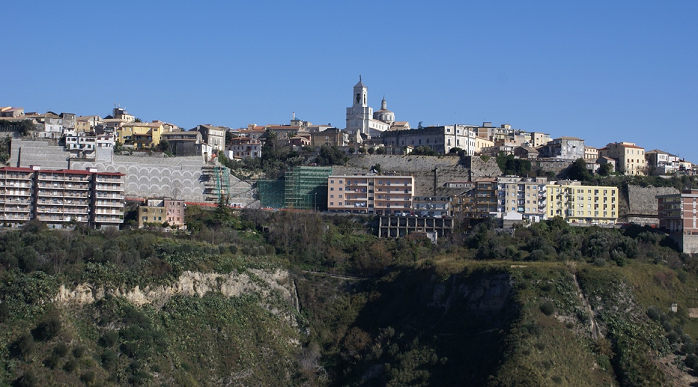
189	284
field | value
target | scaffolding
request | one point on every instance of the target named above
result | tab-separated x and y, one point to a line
216	183
271	193
305	188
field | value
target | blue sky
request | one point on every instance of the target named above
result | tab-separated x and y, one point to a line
603	71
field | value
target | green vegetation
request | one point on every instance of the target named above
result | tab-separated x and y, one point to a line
549	304
423	150
509	165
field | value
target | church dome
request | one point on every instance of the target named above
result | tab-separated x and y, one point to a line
384	114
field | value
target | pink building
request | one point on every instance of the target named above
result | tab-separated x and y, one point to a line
370	194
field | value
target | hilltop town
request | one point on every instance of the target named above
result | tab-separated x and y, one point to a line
64	169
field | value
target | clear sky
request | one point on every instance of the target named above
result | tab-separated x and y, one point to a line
604	71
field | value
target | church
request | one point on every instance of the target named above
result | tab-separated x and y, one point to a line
363	122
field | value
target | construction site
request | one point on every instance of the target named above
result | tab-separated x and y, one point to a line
302	188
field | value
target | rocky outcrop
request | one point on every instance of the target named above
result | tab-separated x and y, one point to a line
189	284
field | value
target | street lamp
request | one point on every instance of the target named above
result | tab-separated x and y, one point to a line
315	202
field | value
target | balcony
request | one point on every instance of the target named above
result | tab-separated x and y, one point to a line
109	212
109	204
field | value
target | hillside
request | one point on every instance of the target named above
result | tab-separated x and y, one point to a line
261	298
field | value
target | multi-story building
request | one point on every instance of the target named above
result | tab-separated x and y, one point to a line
241	147
591	153
330	137
80	142
431	206
678	214
630	158
107	205
485	198
16	193
582	204
566	148
661	162
160	211
526	196
440	139
370	194
184	143
212	135
142	135
62	197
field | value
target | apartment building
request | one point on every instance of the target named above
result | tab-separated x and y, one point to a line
162	210
678	214
630	158
241	147
372	194
582	204
62	197
431	206
16	192
526	196
485	198
212	135
107	200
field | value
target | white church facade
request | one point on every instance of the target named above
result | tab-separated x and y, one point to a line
362	121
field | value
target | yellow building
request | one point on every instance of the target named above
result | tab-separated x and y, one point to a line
630	158
481	143
142	135
578	203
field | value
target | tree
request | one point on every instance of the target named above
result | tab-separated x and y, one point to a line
424	151
331	155
605	169
578	170
164	146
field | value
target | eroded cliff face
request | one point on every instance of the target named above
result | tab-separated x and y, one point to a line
264	282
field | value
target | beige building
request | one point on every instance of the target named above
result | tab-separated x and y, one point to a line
159	211
630	158
526	196
372	194
582	204
591	153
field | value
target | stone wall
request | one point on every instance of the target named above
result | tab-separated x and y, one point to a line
643	200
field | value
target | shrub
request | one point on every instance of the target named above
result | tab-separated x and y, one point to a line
108	339
26	380
70	366
108	359
691	361
78	351
673	337
87	377
599	262
52	361
654	313
47	329
60	349
688	348
548	308
22	347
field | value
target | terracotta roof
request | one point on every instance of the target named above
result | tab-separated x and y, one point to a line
16	169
